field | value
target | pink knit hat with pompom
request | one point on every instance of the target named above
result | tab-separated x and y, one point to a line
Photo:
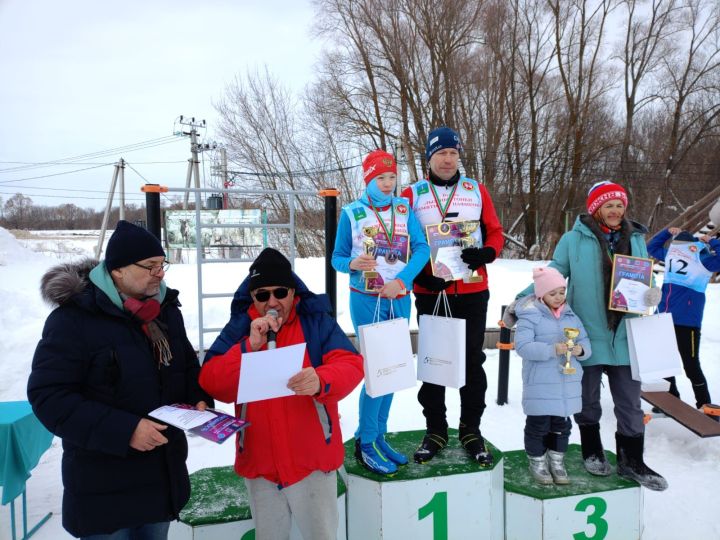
546	279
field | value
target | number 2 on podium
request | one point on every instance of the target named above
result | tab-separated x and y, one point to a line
438	507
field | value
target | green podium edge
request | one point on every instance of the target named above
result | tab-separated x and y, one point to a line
451	460
518	479
218	495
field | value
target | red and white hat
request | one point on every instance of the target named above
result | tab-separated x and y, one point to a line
602	192
376	163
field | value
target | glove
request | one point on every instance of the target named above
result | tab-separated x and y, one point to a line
652	296
432	283
509	319
476	257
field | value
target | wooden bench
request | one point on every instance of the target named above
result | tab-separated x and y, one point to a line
693	419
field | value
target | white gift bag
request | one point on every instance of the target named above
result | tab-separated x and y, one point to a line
653	348
387	355
441	348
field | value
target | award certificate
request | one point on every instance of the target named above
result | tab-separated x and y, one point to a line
446	245
631	278
391	258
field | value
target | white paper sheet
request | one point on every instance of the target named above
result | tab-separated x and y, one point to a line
450	257
180	417
265	374
634	293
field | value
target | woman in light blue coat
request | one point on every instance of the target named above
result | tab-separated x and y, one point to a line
584	255
550	395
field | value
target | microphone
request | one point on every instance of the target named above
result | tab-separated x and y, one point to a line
271	334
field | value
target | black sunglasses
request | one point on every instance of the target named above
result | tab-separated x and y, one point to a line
263	295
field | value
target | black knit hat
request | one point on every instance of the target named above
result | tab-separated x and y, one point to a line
271	269
130	243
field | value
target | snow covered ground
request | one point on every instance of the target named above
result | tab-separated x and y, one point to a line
690	464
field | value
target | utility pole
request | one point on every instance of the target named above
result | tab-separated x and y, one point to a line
122	188
193	169
119	172
221	171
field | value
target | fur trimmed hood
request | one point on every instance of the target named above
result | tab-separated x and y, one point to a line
60	283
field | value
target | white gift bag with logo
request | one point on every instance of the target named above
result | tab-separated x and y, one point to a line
653	348
387	355
441	348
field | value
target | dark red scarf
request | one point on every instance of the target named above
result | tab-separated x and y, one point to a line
146	312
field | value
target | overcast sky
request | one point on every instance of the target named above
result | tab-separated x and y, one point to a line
84	76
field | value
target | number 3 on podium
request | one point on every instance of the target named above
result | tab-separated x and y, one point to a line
599	507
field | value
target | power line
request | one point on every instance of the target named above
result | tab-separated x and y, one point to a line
307	174
145	180
2	182
150	143
72	164
75	197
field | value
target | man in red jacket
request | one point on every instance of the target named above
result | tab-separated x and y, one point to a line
293	447
446	195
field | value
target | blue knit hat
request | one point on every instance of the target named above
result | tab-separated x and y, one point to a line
129	244
684	236
439	138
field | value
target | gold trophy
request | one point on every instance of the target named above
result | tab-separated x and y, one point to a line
369	247
570	334
467	228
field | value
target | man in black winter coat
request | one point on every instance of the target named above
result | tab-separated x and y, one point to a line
114	349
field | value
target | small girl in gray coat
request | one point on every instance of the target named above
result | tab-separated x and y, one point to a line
549	395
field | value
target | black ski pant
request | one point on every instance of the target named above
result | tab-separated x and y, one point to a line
546	432
688	340
626	399
473	308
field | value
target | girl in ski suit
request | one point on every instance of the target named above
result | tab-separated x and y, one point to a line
396	227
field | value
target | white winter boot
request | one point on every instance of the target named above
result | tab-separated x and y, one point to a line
539	469
556	461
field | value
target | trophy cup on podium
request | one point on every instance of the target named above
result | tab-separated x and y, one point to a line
467	228
570	334
369	247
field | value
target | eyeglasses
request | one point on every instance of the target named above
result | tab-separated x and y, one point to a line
263	295
155	270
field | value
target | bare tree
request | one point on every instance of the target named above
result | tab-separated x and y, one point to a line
544	103
273	151
17	211
579	34
646	43
693	86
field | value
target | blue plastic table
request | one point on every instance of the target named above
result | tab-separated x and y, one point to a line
23	439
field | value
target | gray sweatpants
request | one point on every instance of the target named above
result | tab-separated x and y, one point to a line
626	398
312	502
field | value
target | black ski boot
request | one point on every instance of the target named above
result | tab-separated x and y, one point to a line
474	445
431	444
630	463
592	450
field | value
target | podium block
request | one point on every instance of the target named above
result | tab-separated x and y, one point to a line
219	509
589	508
448	498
